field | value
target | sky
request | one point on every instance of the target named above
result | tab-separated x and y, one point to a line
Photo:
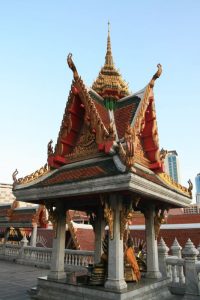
35	39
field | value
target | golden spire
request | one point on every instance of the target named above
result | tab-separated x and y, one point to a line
109	83
109	58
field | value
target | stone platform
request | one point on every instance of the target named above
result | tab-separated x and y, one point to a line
145	290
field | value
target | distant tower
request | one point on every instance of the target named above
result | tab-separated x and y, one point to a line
197	181
172	165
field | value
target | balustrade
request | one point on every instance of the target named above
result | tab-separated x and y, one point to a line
12	250
181	272
78	258
42	256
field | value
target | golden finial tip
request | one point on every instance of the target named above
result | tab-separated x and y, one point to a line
108	27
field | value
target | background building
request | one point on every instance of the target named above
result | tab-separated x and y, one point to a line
6	194
197	181
172	165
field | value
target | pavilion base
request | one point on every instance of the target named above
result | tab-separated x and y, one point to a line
147	289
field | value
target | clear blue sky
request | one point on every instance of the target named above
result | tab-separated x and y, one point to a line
36	37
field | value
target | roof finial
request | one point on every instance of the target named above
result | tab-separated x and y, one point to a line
109	58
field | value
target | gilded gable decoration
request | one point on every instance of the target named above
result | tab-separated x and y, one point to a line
127	149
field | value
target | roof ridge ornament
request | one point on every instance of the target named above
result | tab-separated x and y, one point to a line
156	75
72	66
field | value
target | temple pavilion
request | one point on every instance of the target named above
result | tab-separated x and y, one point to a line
107	162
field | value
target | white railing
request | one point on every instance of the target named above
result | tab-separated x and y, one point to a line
183	269
39	256
78	258
12	250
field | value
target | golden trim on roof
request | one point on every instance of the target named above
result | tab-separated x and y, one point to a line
33	176
173	184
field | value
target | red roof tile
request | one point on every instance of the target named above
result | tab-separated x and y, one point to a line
103	112
76	174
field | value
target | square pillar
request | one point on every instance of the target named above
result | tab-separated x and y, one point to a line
33	236
151	242
99	233
57	260
115	280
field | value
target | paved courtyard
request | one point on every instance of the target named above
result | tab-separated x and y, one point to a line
16	279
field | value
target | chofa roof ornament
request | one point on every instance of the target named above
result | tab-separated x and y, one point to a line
156	75
72	66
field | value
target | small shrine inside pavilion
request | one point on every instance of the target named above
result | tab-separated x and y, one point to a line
108	163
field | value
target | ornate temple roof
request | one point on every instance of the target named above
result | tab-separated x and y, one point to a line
12	214
109	83
105	132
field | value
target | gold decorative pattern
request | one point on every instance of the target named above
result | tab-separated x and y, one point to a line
86	146
66	124
109	217
109	79
127	152
126	214
33	176
158	220
127	149
168	180
91	112
53	218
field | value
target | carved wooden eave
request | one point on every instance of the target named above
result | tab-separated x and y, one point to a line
80	110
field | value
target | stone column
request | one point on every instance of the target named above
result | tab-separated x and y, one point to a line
151	242
99	233
58	251
191	279
33	236
162	256
115	280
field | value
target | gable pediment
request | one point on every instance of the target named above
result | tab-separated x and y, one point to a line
82	130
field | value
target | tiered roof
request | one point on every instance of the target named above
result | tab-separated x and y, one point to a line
105	131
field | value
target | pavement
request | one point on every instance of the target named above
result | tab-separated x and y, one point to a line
16	280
